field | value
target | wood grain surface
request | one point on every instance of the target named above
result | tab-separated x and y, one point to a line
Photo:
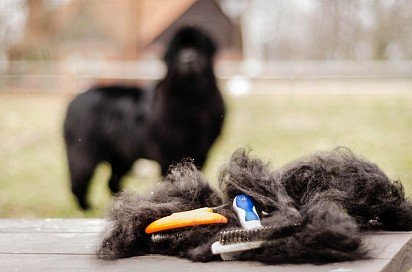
69	245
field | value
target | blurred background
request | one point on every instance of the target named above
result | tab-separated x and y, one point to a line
297	76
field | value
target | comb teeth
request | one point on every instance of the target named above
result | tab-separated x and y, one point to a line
161	237
256	234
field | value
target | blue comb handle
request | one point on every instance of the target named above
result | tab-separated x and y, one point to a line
246	211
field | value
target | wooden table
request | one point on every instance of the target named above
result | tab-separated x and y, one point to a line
68	245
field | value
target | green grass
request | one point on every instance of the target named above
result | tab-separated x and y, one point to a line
277	127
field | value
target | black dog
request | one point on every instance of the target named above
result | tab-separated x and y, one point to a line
180	118
331	197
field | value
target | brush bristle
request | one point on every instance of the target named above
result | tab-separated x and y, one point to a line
257	234
161	237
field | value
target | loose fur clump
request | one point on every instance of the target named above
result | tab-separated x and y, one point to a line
180	118
184	188
333	195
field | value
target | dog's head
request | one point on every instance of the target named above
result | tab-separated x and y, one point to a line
190	52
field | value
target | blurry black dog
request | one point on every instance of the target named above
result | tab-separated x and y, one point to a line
180	118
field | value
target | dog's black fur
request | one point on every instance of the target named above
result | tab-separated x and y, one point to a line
180	118
334	195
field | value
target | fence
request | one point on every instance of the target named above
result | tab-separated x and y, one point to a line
75	75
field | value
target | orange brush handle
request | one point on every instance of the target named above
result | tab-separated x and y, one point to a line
202	216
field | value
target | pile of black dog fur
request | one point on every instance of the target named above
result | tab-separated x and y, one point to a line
336	196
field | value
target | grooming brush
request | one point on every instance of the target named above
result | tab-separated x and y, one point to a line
233	242
164	228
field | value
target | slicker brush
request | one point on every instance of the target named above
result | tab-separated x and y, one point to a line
235	241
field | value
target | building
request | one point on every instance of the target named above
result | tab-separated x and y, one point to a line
118	30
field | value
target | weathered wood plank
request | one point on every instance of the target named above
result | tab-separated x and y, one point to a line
69	244
384	244
402	260
48	243
51	225
157	263
387	244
